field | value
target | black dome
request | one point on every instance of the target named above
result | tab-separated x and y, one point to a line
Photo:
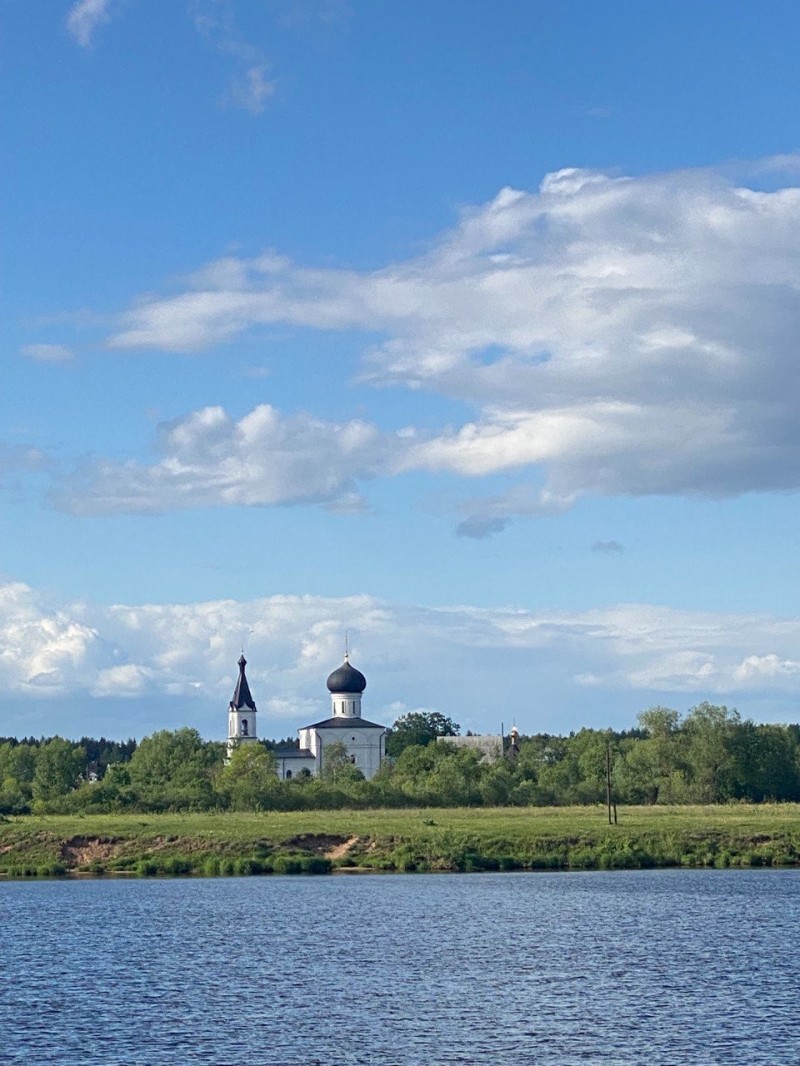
346	679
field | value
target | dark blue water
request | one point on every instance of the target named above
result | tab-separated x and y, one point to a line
661	968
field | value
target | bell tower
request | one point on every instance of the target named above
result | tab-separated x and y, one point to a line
241	712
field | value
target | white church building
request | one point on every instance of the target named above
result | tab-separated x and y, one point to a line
365	742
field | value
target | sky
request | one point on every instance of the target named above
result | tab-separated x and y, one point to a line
468	330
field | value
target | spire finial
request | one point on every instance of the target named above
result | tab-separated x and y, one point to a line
346	647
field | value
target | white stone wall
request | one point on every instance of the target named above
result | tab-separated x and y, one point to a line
235	734
367	745
308	739
346	704
295	767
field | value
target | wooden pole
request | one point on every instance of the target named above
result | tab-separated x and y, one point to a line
608	782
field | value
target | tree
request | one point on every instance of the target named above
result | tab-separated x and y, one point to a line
172	769
711	753
419	727
249	779
653	769
337	766
658	721
58	767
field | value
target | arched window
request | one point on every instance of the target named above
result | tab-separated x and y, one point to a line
243	727
288	774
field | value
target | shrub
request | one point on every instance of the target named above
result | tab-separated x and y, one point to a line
287	864
316	864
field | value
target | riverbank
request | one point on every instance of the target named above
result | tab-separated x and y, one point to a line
467	839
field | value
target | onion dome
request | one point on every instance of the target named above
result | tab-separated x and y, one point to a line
346	679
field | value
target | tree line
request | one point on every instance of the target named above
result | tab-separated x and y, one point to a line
709	755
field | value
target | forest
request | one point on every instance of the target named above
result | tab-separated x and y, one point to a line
708	755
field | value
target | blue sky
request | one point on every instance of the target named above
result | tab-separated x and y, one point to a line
471	329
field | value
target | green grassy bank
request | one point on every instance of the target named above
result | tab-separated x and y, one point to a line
562	838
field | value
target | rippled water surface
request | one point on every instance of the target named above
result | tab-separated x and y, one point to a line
661	968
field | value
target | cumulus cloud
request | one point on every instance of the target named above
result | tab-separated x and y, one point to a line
85	16
208	459
446	658
45	650
47	353
622	336
123	682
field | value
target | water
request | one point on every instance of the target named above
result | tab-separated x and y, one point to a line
662	968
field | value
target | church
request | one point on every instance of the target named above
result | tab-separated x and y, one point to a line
365	742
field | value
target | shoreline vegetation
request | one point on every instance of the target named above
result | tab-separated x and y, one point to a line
419	840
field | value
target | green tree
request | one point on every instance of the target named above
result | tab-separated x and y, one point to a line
653	769
173	769
337	765
59	764
764	757
249	780
419	727
17	767
711	752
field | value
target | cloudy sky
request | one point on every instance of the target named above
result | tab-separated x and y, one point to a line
471	330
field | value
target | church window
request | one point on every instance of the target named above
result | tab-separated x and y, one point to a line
352	758
243	727
288	774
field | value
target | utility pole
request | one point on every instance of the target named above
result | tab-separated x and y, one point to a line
612	807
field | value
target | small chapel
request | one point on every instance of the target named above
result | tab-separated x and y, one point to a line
365	742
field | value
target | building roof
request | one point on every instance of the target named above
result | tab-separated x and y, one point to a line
346	678
242	700
296	753
343	722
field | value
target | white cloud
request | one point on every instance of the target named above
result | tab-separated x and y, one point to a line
45	650
47	353
208	459
250	88
447	659
85	16
757	668
620	335
123	682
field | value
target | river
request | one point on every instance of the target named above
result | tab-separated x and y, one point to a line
662	968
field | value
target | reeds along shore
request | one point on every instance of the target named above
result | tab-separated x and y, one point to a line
433	840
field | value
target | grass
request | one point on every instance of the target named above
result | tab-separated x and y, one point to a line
235	843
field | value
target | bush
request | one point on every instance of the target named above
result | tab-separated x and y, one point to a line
287	864
316	864
177	866
51	869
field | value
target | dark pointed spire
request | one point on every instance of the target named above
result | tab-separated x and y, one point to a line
241	694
